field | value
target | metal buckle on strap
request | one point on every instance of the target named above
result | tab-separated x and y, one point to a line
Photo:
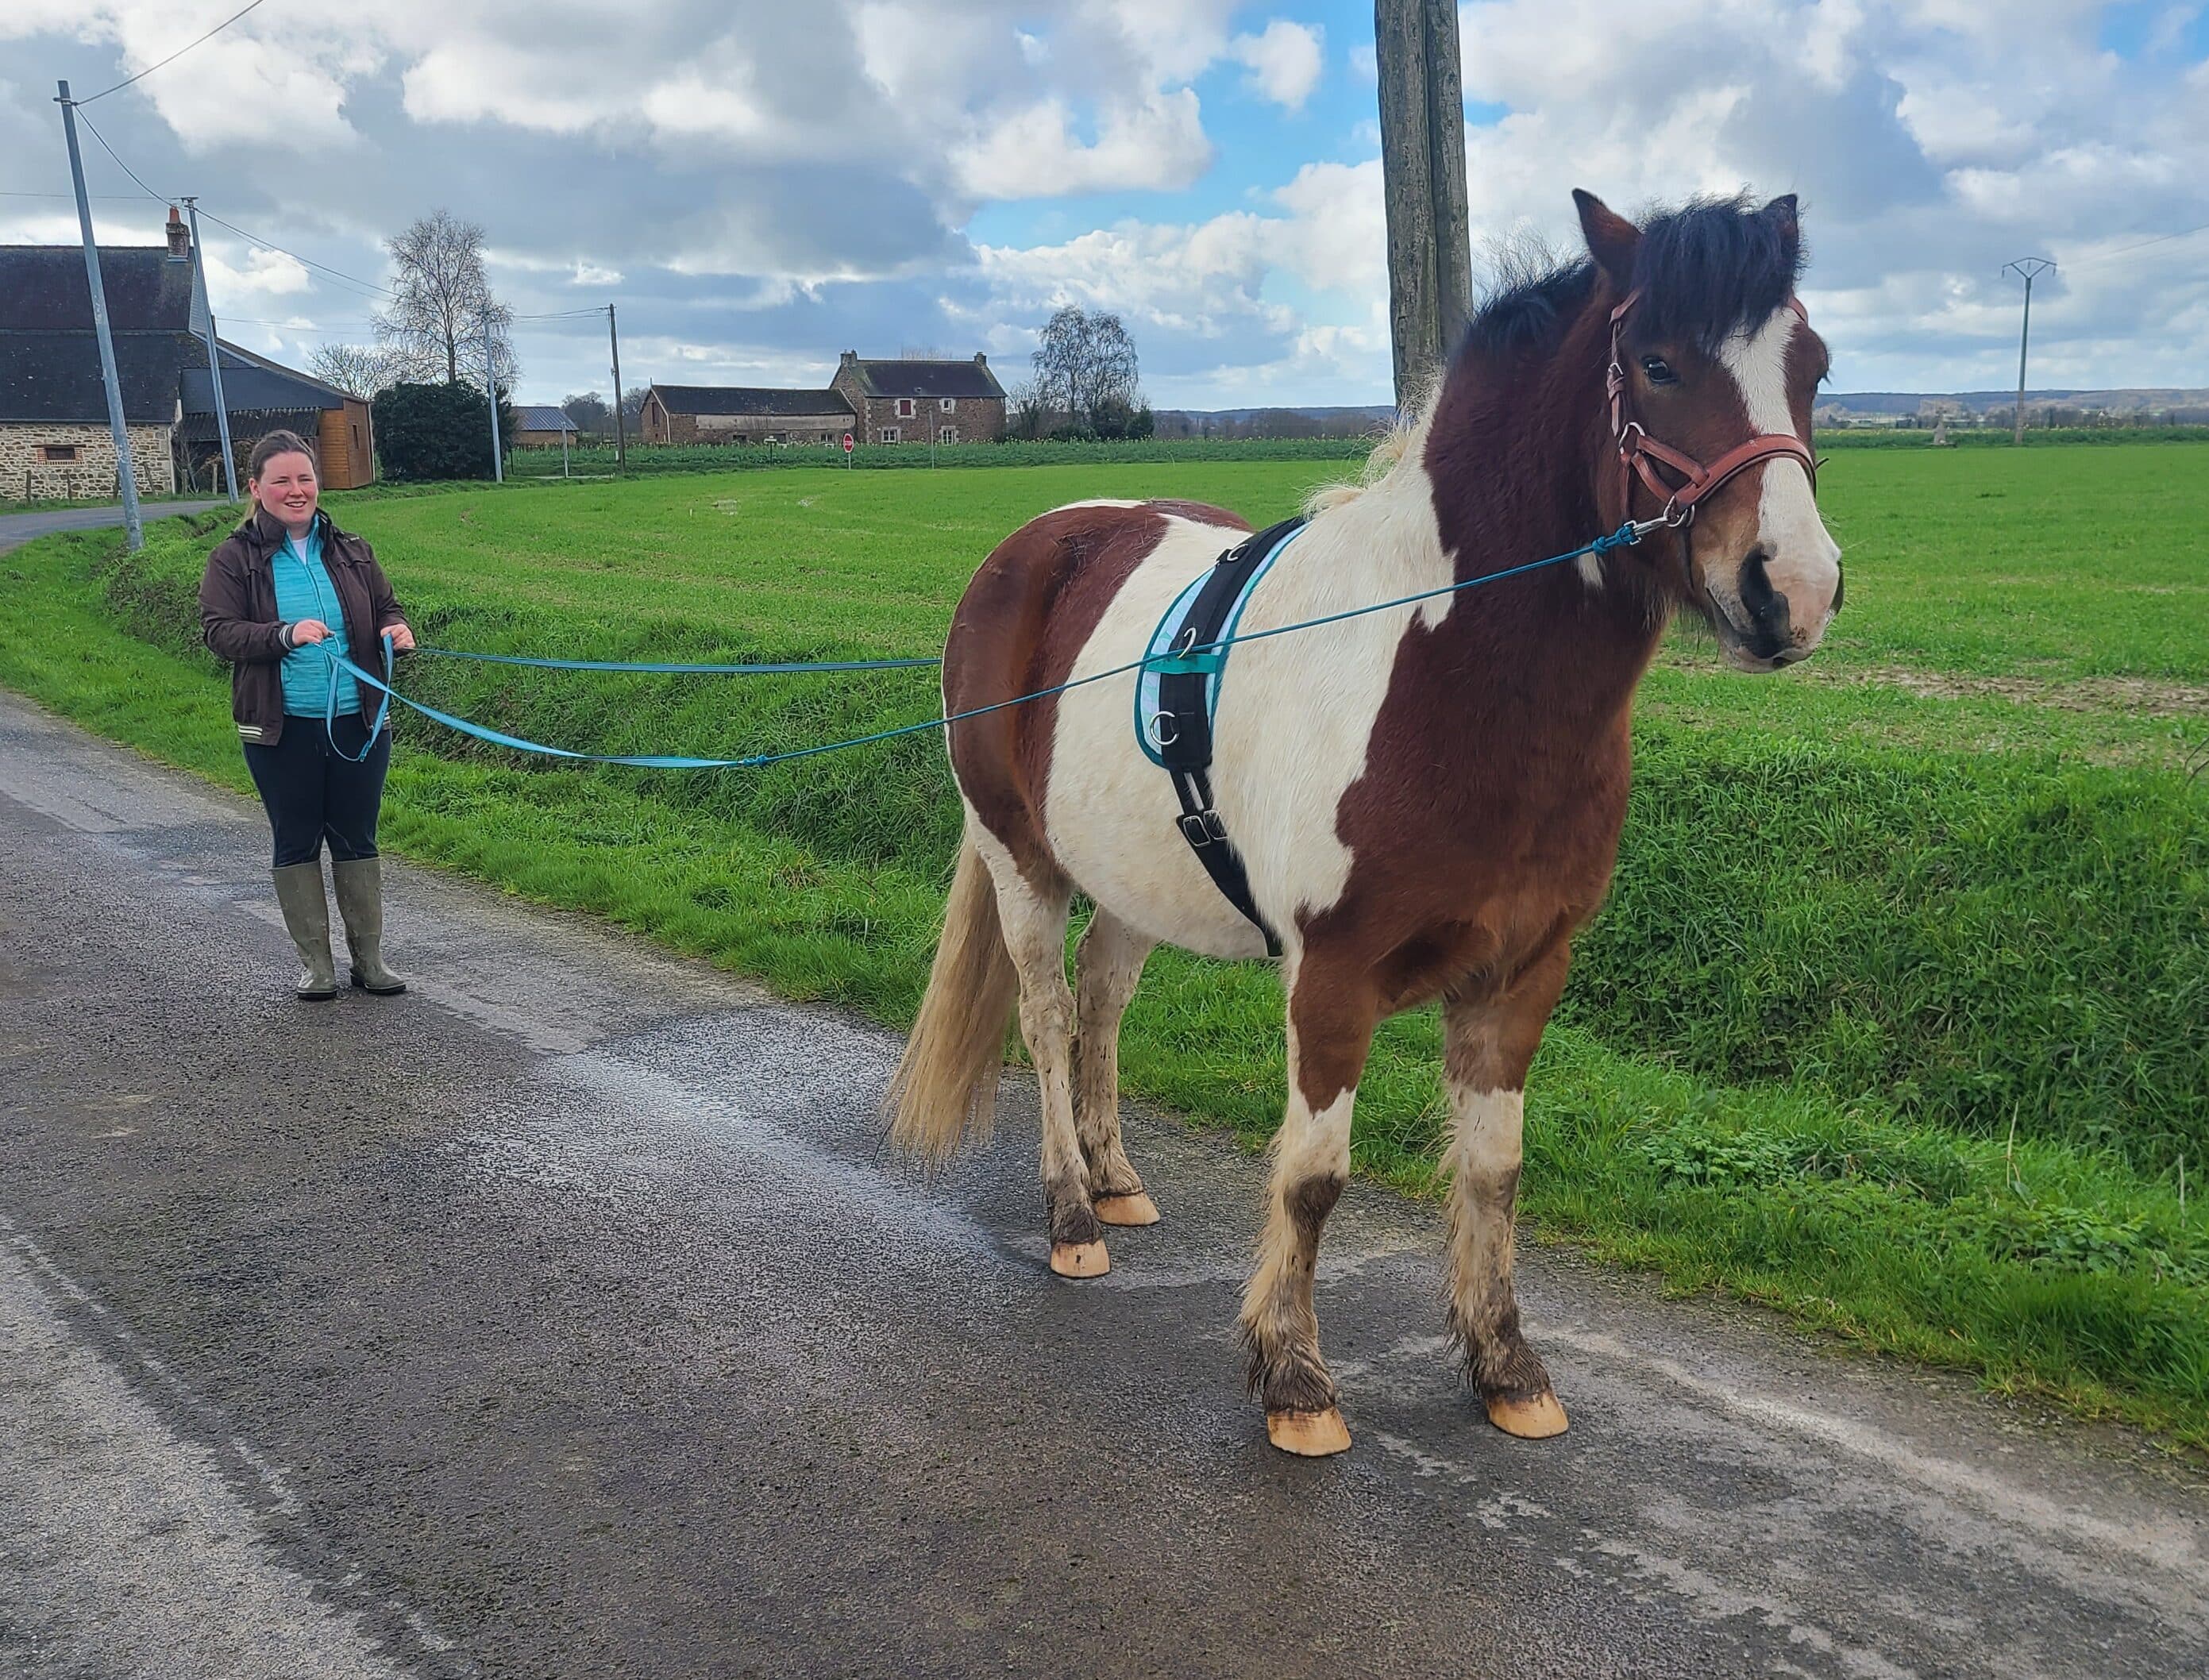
1202	827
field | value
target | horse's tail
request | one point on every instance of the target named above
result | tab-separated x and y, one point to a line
946	1084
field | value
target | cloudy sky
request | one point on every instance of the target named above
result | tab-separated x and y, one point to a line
761	184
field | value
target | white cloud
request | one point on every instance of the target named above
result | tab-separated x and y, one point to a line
1283	62
1159	143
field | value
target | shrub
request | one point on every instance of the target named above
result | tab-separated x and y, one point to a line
437	431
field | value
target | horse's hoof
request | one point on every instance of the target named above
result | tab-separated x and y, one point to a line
1308	1435
1136	1209
1080	1259
1535	1419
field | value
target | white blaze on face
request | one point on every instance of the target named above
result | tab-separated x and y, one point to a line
1801	557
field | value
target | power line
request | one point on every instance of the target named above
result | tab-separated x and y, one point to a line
2121	250
250	238
335	273
103	197
158	197
170	59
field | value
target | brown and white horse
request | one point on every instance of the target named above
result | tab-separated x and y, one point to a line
1427	800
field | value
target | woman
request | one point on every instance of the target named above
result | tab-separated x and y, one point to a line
286	590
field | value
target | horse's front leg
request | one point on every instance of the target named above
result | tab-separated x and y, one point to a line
1488	1045
1331	1021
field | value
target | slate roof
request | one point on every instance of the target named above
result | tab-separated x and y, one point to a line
917	378
55	376
252	384
43	289
49	355
542	417
751	399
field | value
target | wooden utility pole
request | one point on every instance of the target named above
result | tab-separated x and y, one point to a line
490	387
1423	172
2028	269
126	474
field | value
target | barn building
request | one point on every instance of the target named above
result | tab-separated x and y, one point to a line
543	425
55	441
744	414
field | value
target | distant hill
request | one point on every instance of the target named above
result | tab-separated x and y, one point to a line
1353	422
2174	405
2184	405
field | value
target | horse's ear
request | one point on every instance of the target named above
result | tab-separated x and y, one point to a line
1780	213
1611	238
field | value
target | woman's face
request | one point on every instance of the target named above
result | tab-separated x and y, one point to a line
286	488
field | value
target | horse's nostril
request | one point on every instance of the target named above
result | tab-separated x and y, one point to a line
1757	598
1840	585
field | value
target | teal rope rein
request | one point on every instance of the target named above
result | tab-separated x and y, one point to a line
1627	535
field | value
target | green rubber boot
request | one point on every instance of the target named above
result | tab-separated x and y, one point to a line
359	883
307	920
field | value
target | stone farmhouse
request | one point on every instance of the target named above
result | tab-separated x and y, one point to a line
55	440
916	402
903	400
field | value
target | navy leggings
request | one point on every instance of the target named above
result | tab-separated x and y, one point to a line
312	791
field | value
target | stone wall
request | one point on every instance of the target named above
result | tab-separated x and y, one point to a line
26	474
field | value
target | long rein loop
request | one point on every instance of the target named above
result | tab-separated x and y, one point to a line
1630	533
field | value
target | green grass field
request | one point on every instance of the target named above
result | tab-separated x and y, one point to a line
1893	1019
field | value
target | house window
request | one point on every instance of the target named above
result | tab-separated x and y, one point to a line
946	434
57	452
905	408
887	435
945	405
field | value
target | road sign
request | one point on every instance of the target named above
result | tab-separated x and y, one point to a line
847	443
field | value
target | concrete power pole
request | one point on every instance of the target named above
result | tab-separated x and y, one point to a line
126	474
1422	167
214	361
2028	269
621	431
491	385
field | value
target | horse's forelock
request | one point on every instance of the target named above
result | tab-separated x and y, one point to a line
1713	267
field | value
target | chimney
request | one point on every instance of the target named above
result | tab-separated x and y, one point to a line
980	360
180	237
851	359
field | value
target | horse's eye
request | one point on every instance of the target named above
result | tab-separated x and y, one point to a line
1659	370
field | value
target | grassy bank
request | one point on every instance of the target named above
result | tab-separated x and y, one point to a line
1893	1020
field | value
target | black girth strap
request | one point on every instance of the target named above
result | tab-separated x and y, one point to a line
1183	701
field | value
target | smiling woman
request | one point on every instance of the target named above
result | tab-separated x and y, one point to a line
285	591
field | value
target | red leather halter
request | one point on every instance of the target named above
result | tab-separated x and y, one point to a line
1641	455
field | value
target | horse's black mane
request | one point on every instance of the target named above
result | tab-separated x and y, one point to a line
1703	270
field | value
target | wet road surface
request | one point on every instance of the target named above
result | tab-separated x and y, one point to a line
560	1319
16	529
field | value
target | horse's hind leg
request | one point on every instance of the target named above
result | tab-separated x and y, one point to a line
1106	969
1034	923
1488	1046
1331	1020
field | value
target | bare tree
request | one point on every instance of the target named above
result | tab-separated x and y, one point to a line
443	310
1026	414
588	410
1083	361
357	369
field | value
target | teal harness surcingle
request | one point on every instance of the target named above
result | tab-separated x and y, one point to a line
1177	695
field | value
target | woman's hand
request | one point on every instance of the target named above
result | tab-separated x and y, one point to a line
403	639
305	632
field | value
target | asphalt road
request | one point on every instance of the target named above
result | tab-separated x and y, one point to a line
16	529
560	1319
